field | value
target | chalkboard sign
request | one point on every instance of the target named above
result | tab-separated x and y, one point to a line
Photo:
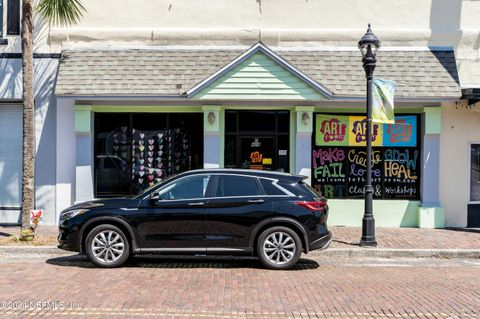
339	172
339	168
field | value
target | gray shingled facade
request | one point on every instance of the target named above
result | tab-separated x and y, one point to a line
172	72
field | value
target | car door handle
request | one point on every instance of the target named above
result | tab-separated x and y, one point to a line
256	201
196	204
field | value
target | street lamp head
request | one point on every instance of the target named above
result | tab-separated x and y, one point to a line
369	43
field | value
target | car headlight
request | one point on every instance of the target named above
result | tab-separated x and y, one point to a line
71	213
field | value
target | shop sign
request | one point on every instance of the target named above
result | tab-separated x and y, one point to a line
256	142
344	130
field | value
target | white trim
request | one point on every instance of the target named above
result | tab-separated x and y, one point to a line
246	47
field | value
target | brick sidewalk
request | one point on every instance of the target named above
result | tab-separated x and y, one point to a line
349	237
410	238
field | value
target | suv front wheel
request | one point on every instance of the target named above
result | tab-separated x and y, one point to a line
279	247
107	246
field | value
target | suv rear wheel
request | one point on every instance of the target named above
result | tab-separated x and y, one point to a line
107	246
279	247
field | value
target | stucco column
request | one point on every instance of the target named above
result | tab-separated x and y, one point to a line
84	153
212	139
303	145
65	155
430	213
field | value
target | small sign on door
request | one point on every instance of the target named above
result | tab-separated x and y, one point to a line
282	152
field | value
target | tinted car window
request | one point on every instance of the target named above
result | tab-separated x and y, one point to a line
185	188
232	185
269	188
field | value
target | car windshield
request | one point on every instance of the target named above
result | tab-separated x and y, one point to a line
147	190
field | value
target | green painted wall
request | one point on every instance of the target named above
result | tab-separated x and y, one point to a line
387	213
259	77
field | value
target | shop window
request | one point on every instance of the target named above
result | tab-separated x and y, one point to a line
475	172
339	157
135	151
257	140
13	17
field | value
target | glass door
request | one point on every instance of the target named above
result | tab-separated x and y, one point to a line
258	152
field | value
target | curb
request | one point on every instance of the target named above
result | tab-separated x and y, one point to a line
34	250
402	253
330	252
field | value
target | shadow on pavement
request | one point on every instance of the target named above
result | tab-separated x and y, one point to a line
152	261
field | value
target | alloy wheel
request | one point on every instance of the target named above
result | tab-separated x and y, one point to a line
279	248
108	246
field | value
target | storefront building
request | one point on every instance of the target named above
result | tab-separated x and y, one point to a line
125	99
121	129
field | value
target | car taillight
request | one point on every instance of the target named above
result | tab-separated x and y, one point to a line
312	205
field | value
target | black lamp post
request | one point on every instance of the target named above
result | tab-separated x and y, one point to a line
368	46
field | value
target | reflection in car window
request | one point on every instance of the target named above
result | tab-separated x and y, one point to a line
232	185
269	188
185	188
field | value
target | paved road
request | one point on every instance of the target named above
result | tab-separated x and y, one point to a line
69	286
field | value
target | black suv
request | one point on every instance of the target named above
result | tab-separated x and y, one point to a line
276	216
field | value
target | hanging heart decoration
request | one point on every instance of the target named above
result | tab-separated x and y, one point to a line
124	154
141	142
159	173
151	170
157	180
142	167
140	180
115	147
150	159
142	135
185	146
151	147
141	148
142	161
151	141
115	135
160	135
150	177
141	173
160	153
150	154
133	131
123	128
159	164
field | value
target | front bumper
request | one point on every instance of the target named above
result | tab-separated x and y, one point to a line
322	242
68	239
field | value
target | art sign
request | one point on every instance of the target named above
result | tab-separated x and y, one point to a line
344	130
339	157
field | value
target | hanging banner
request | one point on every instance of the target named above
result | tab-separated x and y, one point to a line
382	104
344	130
